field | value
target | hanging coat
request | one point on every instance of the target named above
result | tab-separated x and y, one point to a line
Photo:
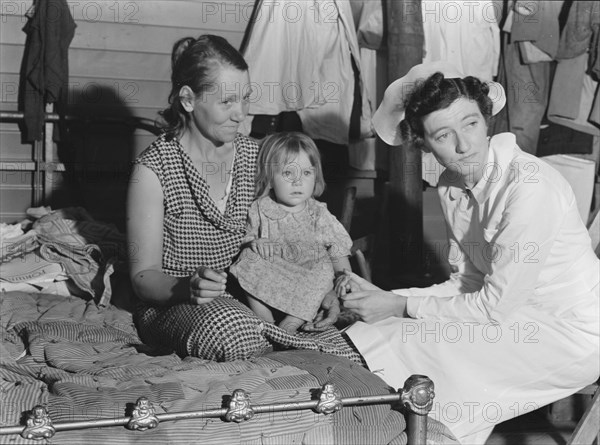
45	67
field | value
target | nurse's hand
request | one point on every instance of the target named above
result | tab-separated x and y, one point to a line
371	303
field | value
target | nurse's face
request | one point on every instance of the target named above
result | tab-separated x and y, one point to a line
457	137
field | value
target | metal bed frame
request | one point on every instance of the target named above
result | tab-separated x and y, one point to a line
416	397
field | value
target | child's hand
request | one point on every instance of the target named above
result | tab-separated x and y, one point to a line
343	284
327	315
266	248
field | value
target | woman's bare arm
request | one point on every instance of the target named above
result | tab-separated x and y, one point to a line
145	213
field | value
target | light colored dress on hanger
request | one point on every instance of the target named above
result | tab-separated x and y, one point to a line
301	55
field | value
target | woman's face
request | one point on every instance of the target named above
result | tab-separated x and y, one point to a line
457	137
218	112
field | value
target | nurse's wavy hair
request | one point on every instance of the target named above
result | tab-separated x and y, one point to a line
194	62
278	150
437	93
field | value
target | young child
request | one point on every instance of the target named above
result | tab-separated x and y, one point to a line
294	246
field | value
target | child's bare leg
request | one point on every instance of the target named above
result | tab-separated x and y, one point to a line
259	308
291	324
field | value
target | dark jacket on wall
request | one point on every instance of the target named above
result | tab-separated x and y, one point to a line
45	67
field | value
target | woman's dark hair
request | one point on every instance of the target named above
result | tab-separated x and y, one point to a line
436	93
193	63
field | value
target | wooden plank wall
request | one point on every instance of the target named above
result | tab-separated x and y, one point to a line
119	67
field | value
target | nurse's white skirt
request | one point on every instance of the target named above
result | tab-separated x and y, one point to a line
485	374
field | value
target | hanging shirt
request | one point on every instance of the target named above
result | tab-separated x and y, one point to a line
300	56
464	33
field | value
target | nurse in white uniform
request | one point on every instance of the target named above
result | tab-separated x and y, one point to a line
516	326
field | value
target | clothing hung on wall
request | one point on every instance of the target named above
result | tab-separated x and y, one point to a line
530	43
572	96
549	51
300	56
45	69
575	84
465	33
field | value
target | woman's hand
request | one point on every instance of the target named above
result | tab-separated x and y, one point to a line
206	284
370	302
330	310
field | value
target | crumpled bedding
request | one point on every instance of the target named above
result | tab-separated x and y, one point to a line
66	244
83	362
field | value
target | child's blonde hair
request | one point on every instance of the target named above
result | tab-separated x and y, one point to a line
279	149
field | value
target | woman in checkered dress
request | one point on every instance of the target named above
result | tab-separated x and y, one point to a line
188	201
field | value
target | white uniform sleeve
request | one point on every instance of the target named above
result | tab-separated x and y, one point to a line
518	250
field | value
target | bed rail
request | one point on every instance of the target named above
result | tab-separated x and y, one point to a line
43	165
130	121
416	397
